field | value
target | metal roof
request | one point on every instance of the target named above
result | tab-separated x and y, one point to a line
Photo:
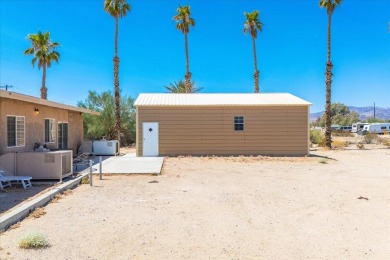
43	102
223	99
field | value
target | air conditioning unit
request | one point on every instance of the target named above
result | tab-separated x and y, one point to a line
103	147
45	165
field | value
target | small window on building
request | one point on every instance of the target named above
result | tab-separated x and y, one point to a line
238	123
50	131
15	131
383	127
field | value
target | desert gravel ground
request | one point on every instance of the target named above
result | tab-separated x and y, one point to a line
224	208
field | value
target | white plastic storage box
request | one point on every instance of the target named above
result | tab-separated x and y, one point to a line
104	147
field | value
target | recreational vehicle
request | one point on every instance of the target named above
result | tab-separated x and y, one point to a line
377	128
346	128
357	127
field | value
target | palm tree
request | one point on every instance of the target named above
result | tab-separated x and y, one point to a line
252	25
44	52
330	6
117	9
180	87
184	21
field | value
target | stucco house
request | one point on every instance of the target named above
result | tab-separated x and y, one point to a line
27	120
222	124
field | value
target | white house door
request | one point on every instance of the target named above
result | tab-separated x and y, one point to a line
150	136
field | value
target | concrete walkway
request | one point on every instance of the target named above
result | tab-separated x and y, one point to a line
129	163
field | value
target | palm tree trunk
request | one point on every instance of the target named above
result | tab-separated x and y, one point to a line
256	73
43	88
328	82
188	73
116	36
116	87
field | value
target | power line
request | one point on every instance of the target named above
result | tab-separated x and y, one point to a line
6	87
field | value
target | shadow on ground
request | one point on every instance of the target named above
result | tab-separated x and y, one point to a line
321	156
12	196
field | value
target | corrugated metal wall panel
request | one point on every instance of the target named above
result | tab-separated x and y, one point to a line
268	130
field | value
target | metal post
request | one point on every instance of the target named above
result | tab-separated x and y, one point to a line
90	172
100	167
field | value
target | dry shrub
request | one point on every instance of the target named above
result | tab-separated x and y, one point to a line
56	198
33	240
37	213
59	196
342	133
339	144
360	145
385	142
369	138
67	192
322	143
14	226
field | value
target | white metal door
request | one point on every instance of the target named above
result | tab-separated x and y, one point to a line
150	136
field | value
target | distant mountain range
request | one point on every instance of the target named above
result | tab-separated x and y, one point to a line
364	112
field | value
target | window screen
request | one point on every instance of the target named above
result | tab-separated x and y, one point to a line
49	131
238	123
15	131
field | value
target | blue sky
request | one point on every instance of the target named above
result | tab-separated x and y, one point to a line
291	49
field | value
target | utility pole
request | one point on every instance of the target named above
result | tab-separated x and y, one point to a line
374	113
6	87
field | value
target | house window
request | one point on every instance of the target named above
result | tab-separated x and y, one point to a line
15	131
238	123
62	135
50	130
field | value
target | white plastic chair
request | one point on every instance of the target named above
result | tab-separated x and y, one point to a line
25	180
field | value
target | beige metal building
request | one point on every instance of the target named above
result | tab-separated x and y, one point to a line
222	124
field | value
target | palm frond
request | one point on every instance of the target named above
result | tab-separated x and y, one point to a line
116	8
252	23
180	87
329	5
43	49
184	19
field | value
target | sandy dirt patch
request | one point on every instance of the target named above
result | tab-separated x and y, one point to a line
334	204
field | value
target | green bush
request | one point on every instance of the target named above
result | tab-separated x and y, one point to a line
316	137
85	180
34	240
95	127
323	161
